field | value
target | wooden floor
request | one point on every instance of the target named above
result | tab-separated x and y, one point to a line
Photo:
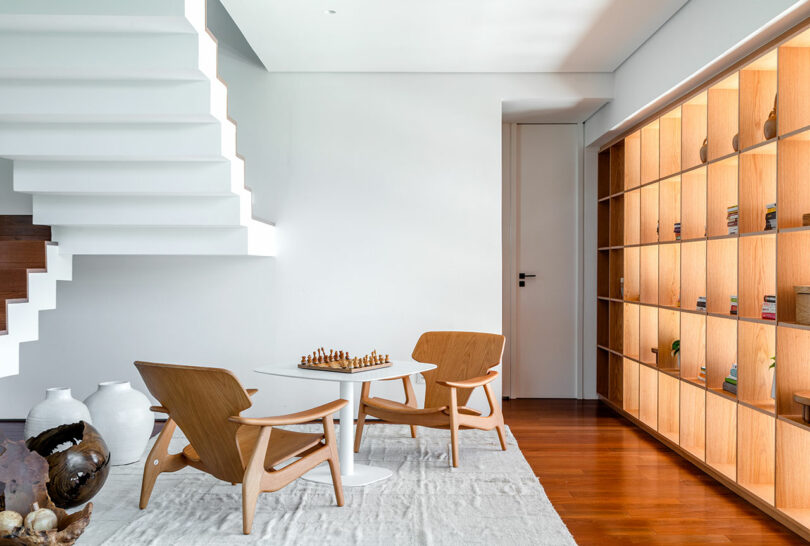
614	484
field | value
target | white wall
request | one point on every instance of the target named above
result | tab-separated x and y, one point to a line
386	190
12	202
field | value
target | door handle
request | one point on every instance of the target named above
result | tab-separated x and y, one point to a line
523	277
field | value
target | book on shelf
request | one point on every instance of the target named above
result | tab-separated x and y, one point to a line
770	216
701	303
730	387
769	308
677	230
702	374
732	219
733	309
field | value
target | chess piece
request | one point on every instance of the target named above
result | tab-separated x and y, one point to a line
309	359
386	359
303	360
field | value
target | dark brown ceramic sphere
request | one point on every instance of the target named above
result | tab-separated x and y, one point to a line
77	473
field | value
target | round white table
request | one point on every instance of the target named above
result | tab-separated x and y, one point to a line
351	474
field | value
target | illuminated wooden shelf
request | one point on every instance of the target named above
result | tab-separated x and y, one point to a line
631	330
693	420
721	349
755	452
669	275
669	194
668	406
793	472
631	274
632	217
721	435
757	273
721	194
630	387
757	94
756	346
693	344
649	213
792	368
693	273
792	268
669	138
616	384
669	329
632	161
721	275
693	130
617	168
794	83
757	186
793	160
616	273
648	396
648	334
693	204
616	326
648	260
649	152
723	104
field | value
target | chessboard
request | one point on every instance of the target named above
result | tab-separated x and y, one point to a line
342	362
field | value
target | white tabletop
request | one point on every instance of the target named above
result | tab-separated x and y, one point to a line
399	368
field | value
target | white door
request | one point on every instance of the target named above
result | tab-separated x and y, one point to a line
546	166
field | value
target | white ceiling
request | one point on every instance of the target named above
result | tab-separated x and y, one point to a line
448	35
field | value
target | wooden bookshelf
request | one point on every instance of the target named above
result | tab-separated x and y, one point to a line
755	440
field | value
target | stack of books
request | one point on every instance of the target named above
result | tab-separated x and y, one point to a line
730	383
769	308
733	309
770	217
702	374
677	230
701	304
732	219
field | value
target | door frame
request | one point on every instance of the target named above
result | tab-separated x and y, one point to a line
510	243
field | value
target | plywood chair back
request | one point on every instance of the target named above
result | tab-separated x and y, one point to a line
458	356
200	400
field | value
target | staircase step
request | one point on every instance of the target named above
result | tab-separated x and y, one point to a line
82	101
61	54
160	211
123	178
114	141
19	227
89	8
23	254
214	241
13	286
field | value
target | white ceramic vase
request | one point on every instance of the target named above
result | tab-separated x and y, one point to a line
58	408
122	416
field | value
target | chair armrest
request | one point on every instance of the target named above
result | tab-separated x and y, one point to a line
291	419
251	392
159	409
470	383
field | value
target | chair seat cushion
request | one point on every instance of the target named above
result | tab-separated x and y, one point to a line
284	444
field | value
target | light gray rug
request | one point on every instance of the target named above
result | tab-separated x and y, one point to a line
492	498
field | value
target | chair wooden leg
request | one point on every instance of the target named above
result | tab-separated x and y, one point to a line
410	399
252	482
454	426
334	460
496	410
361	416
154	463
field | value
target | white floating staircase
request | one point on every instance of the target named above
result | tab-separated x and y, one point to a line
116	123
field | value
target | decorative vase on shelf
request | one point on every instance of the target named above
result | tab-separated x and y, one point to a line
735	142
769	128
704	151
58	408
122	416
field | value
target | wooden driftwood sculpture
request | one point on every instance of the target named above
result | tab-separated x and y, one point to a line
23	482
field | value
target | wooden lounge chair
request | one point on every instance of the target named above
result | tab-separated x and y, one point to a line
463	360
206	403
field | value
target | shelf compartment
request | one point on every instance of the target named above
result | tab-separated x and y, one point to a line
669	275
757	273
602	322
615	393
721	194
670	142
757	344
649	214
603	225
617	168
793	472
721	275
668	406
649	152
648	396
757	186
669	194
721	350
616	273
793	268
603	174
632	161
693	204
603	273
669	329
792	369
602	372
649	274
693	345
755	452
757	94
721	435
693	129
616	326
631	331
631	274
794	83
793	162
693	420
617	221
630	392
723	101
693	273
648	334
632	217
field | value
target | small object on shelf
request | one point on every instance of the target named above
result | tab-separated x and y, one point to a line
806	219
802	304
704	151
702	374
730	382
654	351
40	519
730	387
769	127
773	377
803	398
701	303
769	308
339	361
735	142
621	287
770	217
677	230
732	219
733	309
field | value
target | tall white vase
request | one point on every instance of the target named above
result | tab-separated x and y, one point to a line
58	408
122	416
